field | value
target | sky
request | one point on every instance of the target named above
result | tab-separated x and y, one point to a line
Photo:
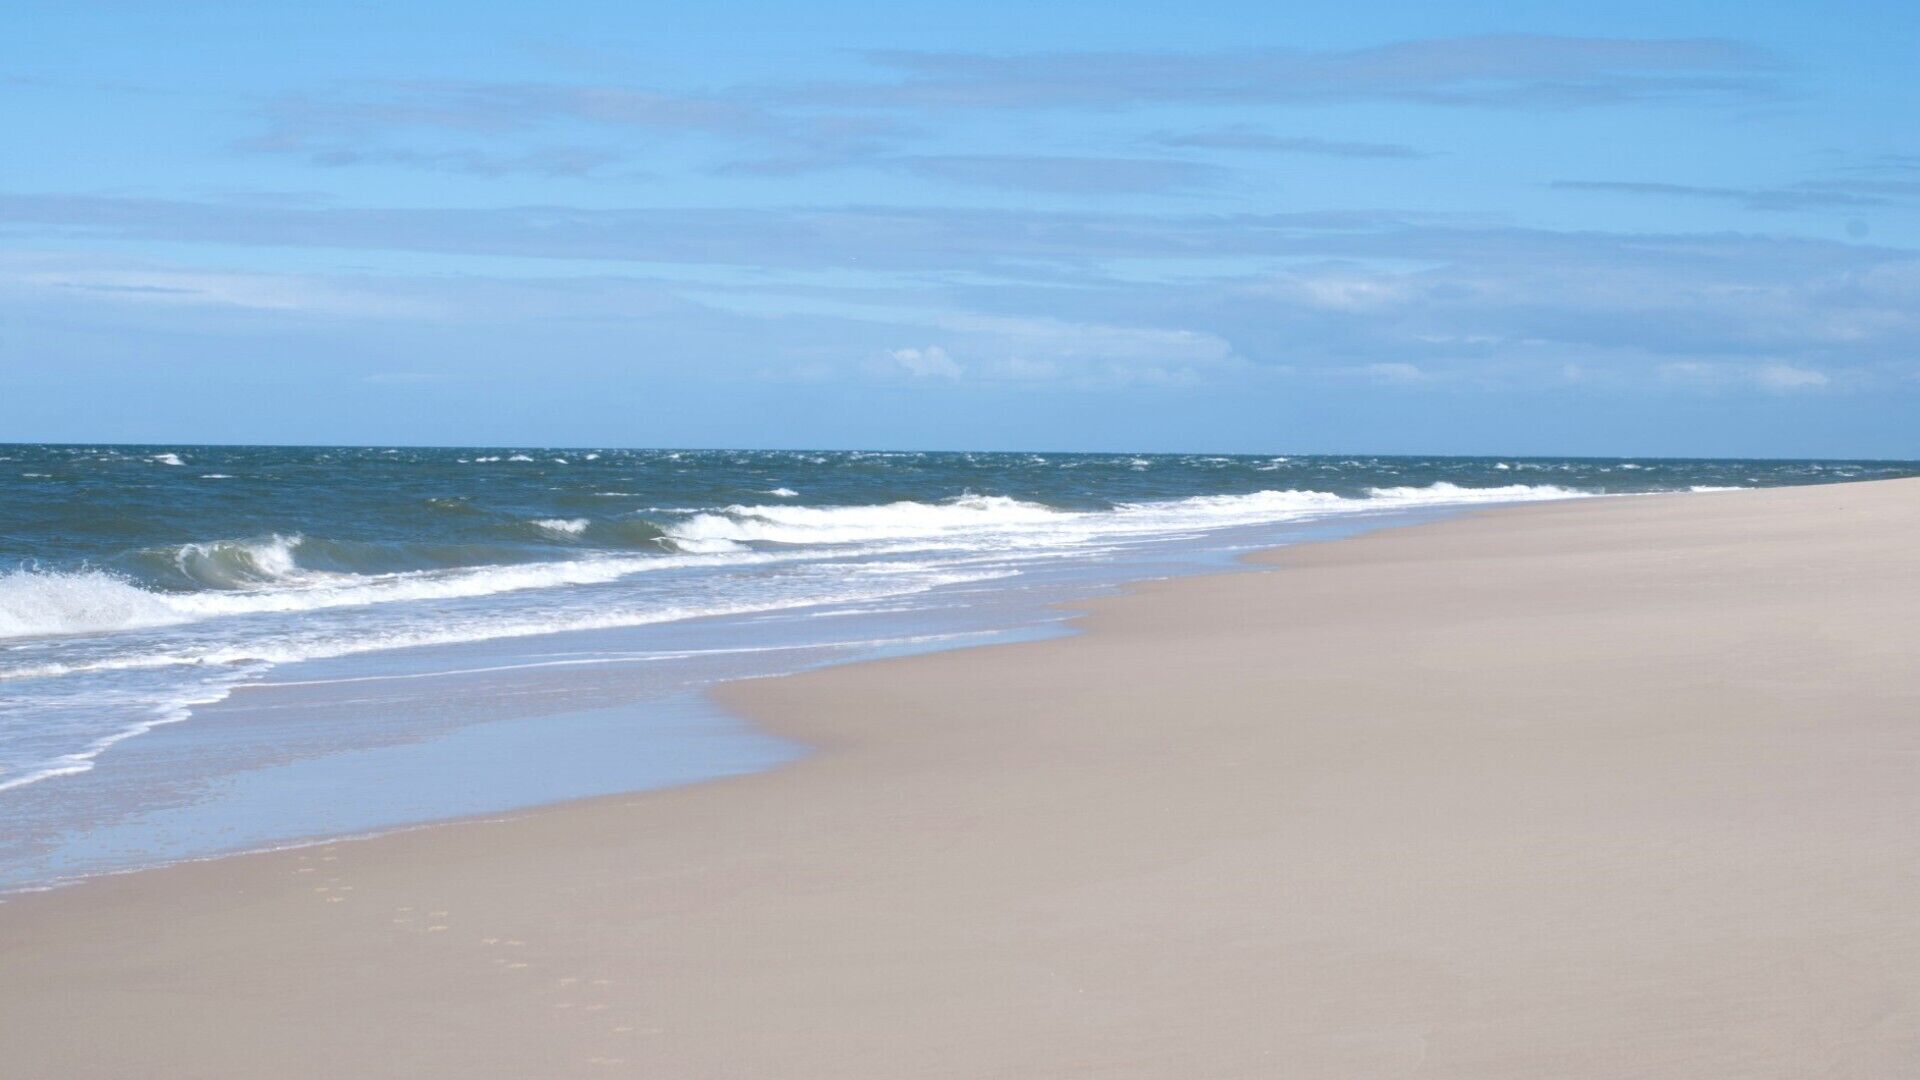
1677	228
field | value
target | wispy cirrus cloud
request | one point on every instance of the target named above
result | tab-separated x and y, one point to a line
882	238
1484	71
1810	195
1251	139
552	129
373	108
1457	302
564	129
1775	378
1044	172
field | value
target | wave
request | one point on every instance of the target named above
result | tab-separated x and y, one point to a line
290	573
37	603
1444	493
354	642
238	564
856	524
990	515
295	560
34	603
233	666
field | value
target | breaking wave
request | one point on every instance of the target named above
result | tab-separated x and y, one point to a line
994	515
79	602
37	603
292	573
856	524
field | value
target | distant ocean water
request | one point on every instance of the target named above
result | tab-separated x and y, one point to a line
141	584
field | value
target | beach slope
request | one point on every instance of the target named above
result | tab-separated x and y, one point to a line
1604	788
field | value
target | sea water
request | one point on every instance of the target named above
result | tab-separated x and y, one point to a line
209	649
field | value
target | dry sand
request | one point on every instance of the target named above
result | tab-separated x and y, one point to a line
1618	788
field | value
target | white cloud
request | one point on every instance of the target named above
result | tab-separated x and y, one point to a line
931	362
1398	373
1785	377
1775	378
107	279
1090	354
1346	293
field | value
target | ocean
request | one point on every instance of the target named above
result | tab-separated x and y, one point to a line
210	649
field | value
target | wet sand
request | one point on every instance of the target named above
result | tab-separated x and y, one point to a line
1604	788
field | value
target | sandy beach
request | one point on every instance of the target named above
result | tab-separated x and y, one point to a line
1602	788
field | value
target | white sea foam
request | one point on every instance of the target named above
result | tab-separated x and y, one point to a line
987	517
32	603
79	761
855	524
1444	494
564	526
706	545
336	643
166	459
35	603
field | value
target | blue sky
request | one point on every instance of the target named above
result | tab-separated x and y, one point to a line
1676	228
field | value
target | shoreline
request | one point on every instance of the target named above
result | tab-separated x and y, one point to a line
933	894
696	739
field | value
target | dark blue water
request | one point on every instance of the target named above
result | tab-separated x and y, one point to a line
144	586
